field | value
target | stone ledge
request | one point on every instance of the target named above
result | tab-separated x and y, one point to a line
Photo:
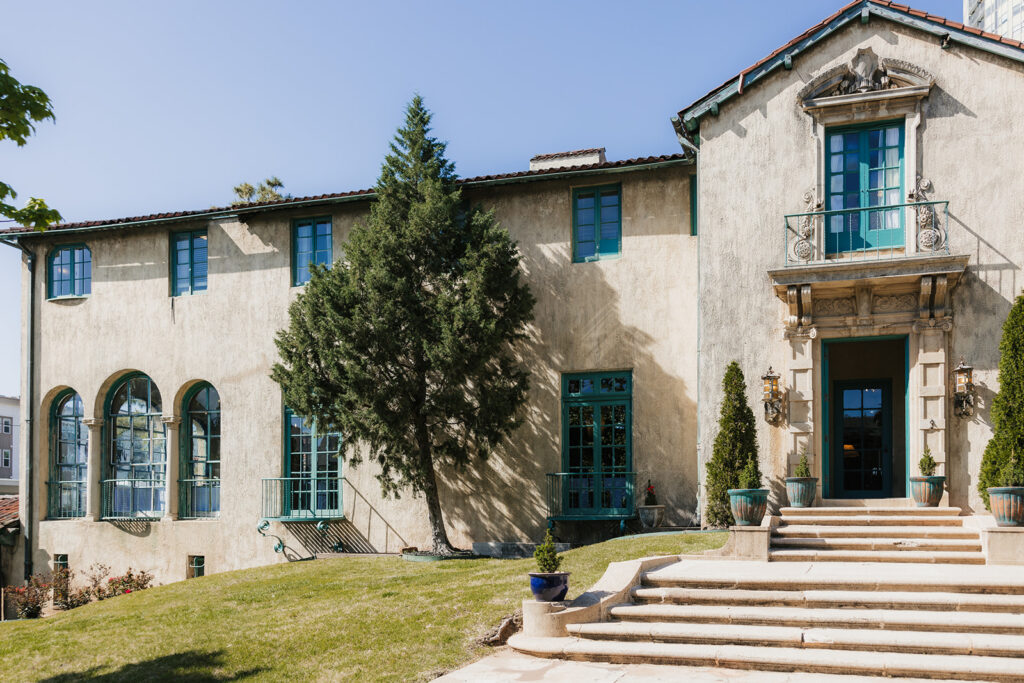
1003	545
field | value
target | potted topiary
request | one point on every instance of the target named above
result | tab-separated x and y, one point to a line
749	502
1007	499
927	489
547	583
801	487
651	514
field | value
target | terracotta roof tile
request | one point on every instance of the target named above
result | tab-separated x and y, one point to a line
8	510
367	193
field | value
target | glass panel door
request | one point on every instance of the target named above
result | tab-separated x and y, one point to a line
863	443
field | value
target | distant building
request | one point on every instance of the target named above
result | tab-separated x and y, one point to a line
1005	17
10	411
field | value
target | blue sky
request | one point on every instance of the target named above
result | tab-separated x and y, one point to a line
167	106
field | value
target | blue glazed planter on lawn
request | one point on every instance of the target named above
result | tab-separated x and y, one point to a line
1007	504
748	505
549	587
801	490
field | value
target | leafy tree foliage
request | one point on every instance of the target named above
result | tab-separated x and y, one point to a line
268	190
21	107
735	447
1001	464
406	344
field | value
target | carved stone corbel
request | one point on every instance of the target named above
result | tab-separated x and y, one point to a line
924	302
939	307
863	296
806	305
793	301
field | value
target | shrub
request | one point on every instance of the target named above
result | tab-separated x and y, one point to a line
64	596
103	586
750	477
649	497
1007	410
803	468
29	599
927	463
547	559
735	445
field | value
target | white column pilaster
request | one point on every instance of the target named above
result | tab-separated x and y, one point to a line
94	468
172	424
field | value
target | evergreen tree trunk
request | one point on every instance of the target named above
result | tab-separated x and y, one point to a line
438	534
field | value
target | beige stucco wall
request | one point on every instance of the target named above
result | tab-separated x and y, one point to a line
637	312
761	154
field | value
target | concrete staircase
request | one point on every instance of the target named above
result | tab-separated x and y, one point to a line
925	621
857	534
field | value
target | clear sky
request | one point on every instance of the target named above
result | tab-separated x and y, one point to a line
166	106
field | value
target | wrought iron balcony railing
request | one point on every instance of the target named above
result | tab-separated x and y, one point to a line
199	498
65	499
876	233
303	498
591	495
132	498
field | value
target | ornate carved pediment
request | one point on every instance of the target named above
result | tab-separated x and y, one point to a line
866	73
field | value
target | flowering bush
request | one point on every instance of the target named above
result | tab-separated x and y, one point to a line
104	586
65	597
29	599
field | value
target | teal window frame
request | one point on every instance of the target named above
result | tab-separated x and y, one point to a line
867	237
317	253
196	566
67	480
611	488
78	283
605	247
200	456
189	266
60	561
130	483
324	498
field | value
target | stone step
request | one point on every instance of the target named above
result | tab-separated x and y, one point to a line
834	599
821	531
887	544
862	511
868	580
950	667
921	556
870	640
893	620
871	520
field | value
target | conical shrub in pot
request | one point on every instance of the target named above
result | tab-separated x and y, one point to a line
547	583
749	502
927	489
801	487
735	444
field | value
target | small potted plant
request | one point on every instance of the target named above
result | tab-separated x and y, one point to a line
927	489
1007	500
801	487
547	583
651	514
749	502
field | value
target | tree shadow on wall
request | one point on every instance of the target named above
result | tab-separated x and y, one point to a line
186	667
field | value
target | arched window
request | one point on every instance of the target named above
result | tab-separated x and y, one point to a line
69	458
199	486
69	271
137	469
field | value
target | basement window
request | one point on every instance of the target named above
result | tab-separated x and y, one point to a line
196	566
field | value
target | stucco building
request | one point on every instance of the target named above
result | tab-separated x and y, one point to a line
854	197
1005	17
10	428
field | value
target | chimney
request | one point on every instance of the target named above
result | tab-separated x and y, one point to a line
580	157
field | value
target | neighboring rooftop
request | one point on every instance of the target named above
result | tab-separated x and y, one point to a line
8	510
579	157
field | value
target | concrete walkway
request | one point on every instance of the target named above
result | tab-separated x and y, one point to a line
507	667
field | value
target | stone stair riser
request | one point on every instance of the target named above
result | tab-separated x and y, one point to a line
964	545
933	532
920	557
867	584
871	520
911	511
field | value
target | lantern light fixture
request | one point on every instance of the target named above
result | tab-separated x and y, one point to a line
772	397
963	389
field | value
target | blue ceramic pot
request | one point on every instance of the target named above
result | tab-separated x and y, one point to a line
748	505
549	587
927	491
801	490
1007	504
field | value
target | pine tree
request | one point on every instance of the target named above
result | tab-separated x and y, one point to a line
406	345
735	445
1007	407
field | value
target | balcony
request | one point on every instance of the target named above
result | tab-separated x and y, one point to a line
302	499
65	499
200	498
132	499
577	496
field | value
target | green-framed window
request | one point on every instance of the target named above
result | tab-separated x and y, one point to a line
596	223
69	458
69	271
60	561
199	485
189	255
311	244
312	468
135	486
864	171
196	566
597	457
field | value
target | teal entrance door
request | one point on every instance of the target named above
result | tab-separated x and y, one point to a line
862	450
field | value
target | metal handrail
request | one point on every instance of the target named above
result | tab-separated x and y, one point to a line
591	495
303	498
132	498
199	498
58	507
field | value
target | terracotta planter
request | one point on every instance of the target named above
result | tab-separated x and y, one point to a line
748	505
651	516
1007	504
927	491
801	490
549	586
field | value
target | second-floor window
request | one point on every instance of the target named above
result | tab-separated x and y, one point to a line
864	176
188	262
6	459
70	271
596	223
311	244
7	425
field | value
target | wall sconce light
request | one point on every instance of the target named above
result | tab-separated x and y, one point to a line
963	389
772	397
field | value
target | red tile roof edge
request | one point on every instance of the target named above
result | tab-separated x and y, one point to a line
8	510
367	193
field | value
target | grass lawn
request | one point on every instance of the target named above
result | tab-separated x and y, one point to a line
345	619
